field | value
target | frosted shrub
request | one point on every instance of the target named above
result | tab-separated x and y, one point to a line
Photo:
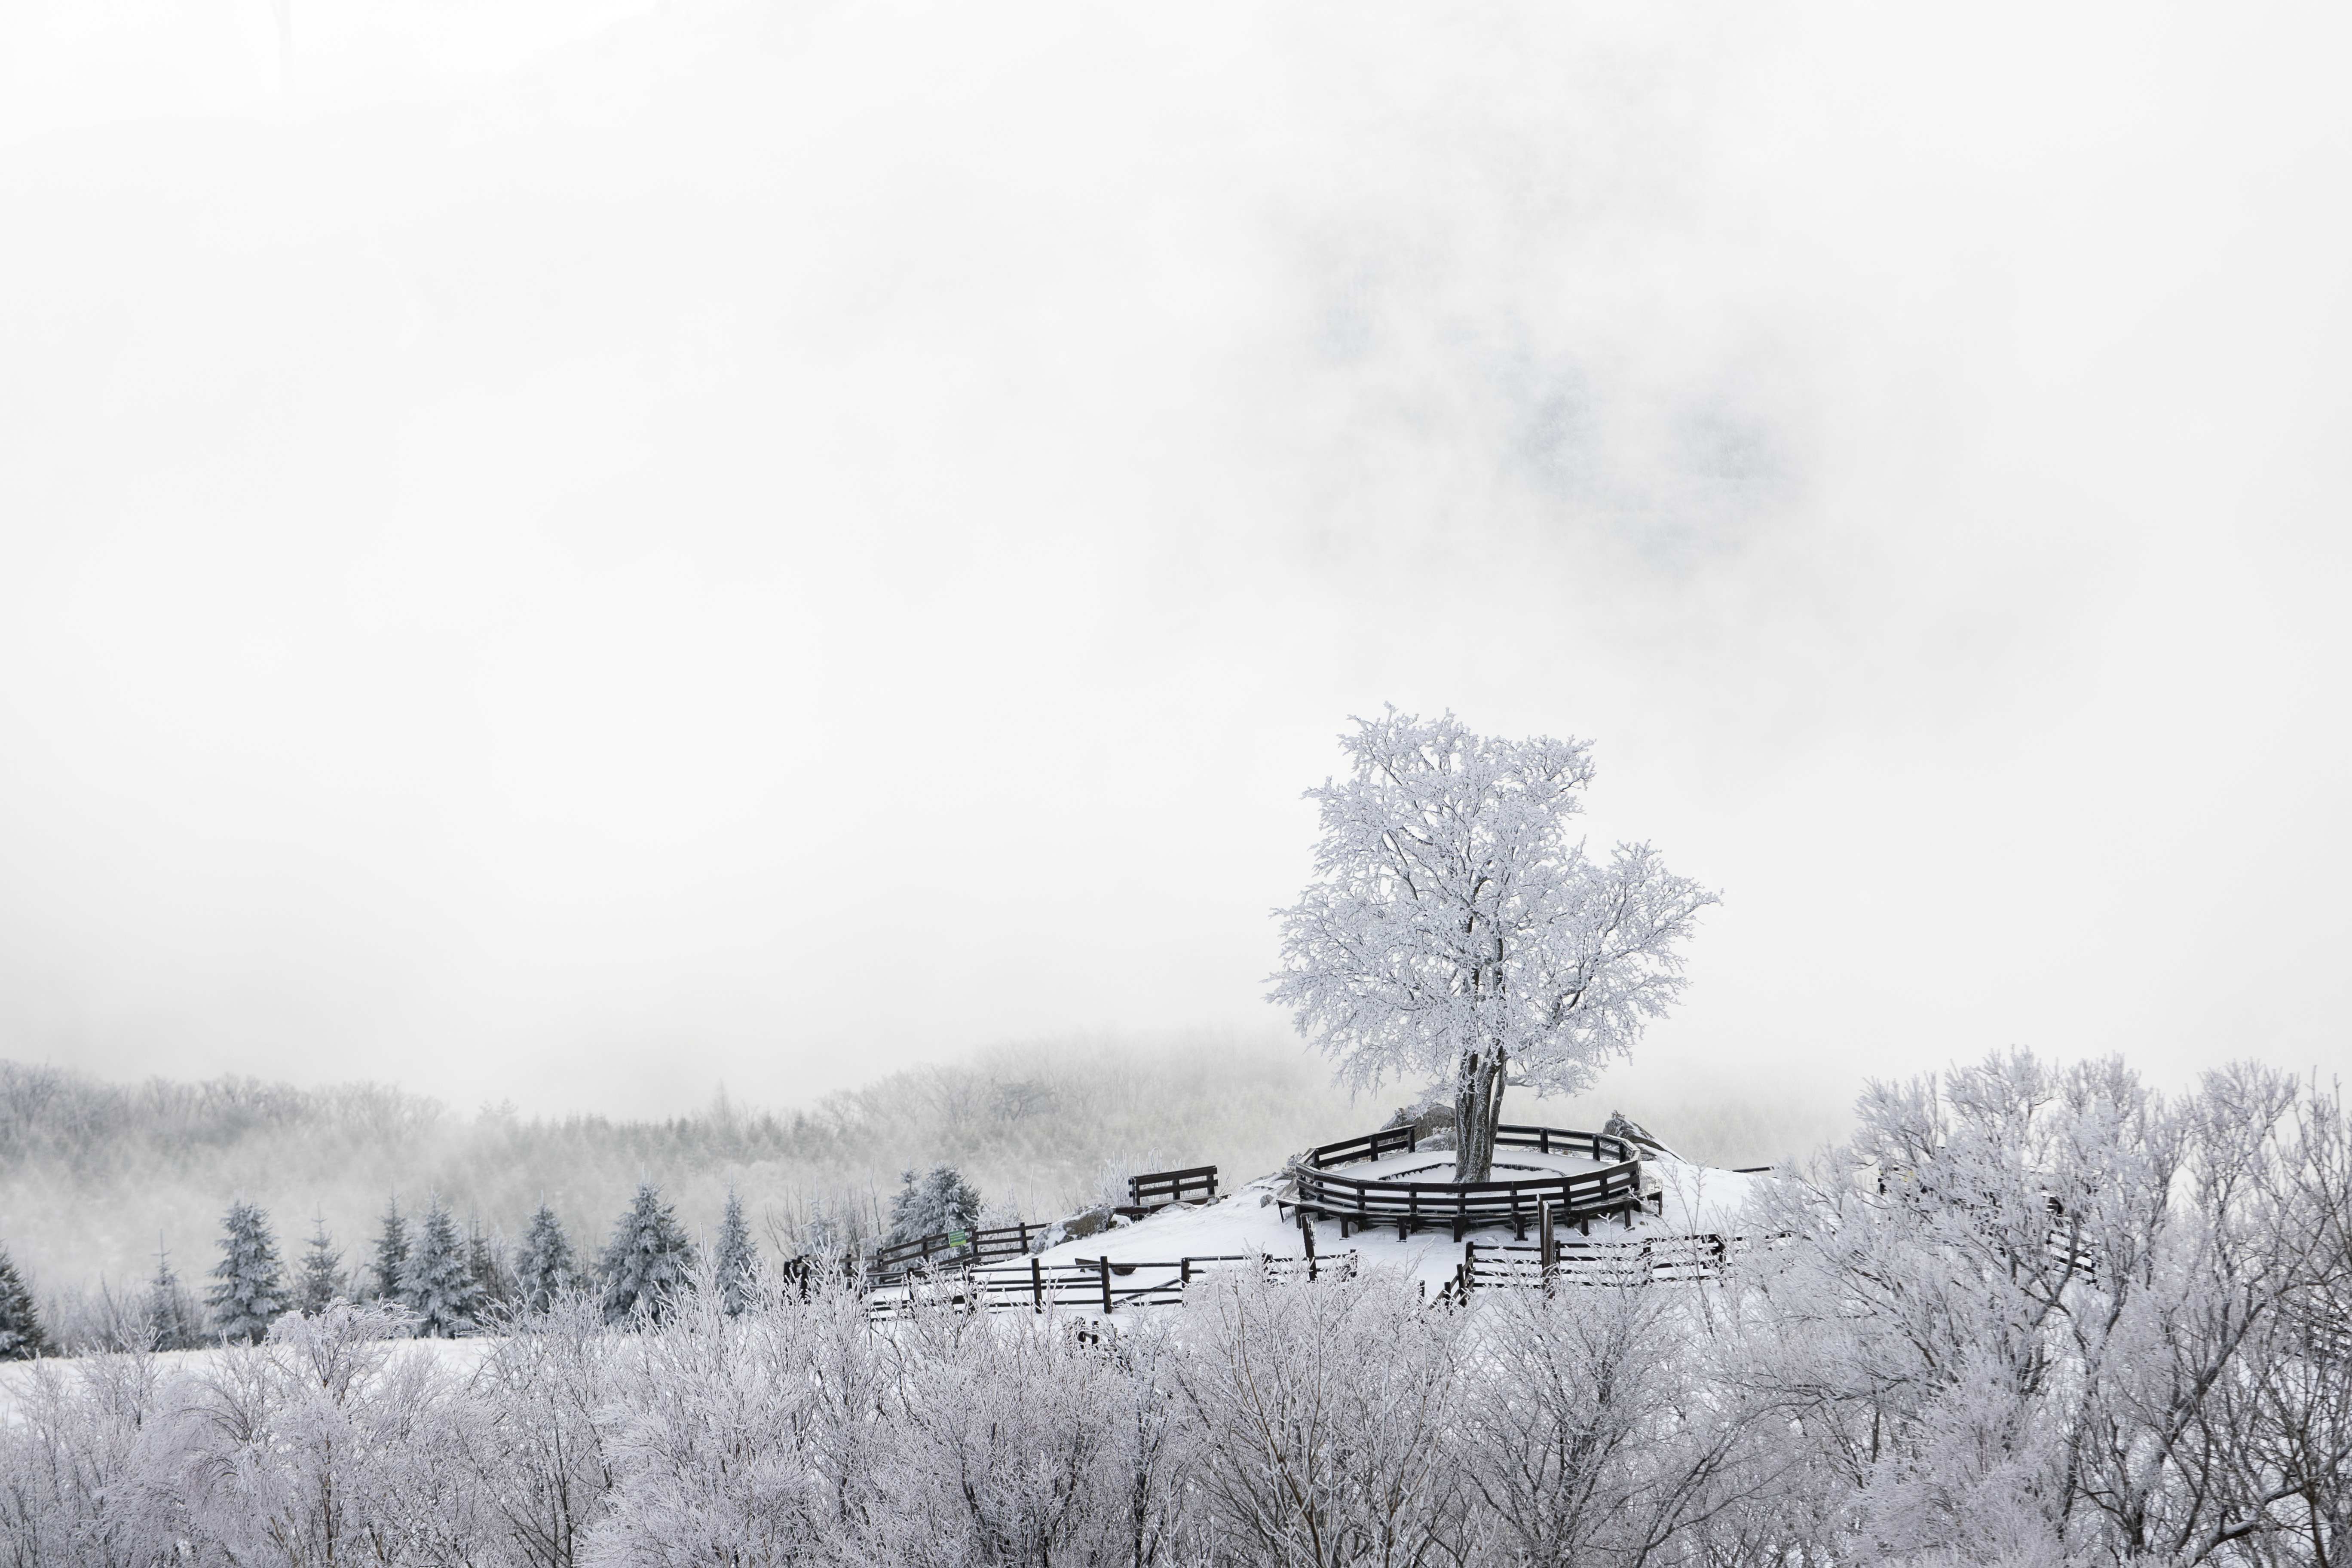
1321	1414
1022	1442
2040	1315
1592	1430
747	1439
540	1453
76	1457
320	1445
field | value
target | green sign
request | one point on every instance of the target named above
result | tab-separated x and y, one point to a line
958	1239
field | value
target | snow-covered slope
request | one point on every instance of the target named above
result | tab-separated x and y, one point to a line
1697	1200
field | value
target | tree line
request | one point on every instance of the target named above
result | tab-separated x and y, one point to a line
450	1284
93	1174
2028	1315
437	1281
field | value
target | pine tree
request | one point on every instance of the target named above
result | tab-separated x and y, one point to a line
21	1338
937	1201
646	1260
175	1322
435	1283
738	1261
391	1253
321	1280
486	1265
543	1267
251	1289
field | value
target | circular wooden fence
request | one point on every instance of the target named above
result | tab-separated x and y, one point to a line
1613	1191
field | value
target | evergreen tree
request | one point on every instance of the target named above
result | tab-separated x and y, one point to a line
937	1201
391	1253
486	1265
251	1289
646	1260
21	1338
543	1265
739	1260
175	1322
322	1282
435	1283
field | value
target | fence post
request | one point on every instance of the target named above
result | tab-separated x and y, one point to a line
1105	1284
1306	1234
1547	1246
1185	1274
1037	1280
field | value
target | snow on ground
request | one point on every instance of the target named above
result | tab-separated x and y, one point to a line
17	1377
1697	1200
1701	1200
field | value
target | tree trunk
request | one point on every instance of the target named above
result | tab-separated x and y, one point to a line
1477	1107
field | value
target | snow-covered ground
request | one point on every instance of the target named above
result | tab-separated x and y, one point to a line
1697	1200
17	1377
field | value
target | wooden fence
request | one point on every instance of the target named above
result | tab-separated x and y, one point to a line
954	1248
1094	1285
1574	1260
1613	1191
1155	1190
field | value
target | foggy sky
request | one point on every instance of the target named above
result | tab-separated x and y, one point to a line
581	556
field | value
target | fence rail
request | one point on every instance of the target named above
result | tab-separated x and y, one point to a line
1577	1198
1155	1190
959	1249
1573	1260
1095	1284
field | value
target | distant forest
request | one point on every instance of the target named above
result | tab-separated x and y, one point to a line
96	1177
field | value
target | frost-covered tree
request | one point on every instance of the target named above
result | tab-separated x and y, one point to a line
1454	933
248	1291
1602	1430
648	1259
320	1281
736	1262
391	1253
21	1337
435	1284
543	1265
831	1229
2038	1314
322	1447
486	1264
543	1450
174	1321
932	1203
1327	1414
